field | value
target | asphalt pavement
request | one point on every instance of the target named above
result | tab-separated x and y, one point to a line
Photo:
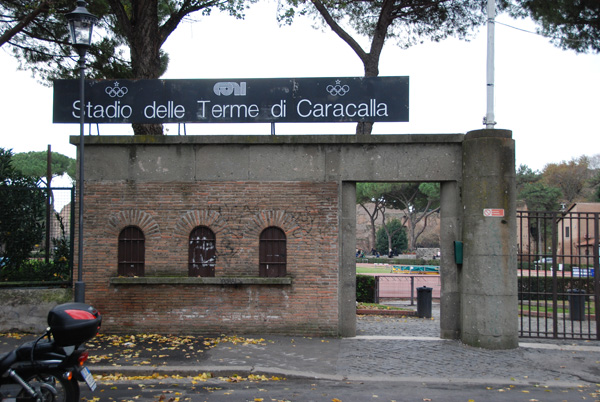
386	350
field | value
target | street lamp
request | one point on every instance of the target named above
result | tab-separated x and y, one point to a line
81	25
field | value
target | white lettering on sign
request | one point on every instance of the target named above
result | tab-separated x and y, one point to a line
279	109
231	111
228	111
493	212
228	88
112	111
306	108
170	110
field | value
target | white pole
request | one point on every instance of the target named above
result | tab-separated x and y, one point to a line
489	117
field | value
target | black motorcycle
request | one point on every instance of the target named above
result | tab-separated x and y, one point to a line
49	369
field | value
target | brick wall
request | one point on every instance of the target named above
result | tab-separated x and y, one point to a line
236	212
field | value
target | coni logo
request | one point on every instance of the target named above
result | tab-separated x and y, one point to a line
229	88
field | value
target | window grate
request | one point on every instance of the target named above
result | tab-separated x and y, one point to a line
131	253
272	253
202	254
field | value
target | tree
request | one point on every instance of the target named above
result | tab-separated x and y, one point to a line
35	164
391	236
570	24
595	186
526	175
594	162
22	209
369	194
570	177
132	32
409	22
419	202
594	181
13	22
540	197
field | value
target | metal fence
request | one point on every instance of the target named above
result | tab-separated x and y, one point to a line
55	250
59	220
558	257
404	286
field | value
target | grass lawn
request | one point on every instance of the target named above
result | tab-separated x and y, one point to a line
374	306
562	307
372	269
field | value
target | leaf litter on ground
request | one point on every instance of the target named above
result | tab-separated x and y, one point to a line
140	349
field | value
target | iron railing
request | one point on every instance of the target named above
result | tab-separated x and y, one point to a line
558	263
404	286
55	249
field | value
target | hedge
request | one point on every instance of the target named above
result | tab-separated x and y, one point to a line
541	288
365	288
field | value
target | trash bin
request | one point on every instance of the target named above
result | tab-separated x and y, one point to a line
424	302
576	304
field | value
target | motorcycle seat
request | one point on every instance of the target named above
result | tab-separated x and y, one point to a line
6	360
39	348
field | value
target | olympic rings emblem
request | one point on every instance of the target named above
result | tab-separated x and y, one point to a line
337	89
116	91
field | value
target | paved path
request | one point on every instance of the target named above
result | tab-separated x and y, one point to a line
385	349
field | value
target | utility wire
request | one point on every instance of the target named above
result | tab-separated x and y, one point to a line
538	34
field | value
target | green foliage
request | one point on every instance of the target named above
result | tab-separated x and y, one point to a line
569	24
525	176
570	177
410	23
365	289
594	185
541	288
22	211
36	270
540	197
566	182
431	192
398	235
368	192
125	50
35	164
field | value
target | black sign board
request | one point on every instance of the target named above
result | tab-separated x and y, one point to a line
290	100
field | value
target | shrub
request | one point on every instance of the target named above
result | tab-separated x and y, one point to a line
22	210
399	239
365	289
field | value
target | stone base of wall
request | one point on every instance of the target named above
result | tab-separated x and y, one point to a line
26	310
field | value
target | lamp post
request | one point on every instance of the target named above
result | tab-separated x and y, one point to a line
81	25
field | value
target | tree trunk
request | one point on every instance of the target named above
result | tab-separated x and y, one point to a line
147	129
145	42
371	60
364	128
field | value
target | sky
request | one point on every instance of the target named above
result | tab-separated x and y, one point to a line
548	97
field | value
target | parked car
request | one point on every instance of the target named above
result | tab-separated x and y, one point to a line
544	262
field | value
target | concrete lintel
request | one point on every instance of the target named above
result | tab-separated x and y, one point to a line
268	139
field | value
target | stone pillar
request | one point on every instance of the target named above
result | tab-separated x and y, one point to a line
450	231
347	268
489	313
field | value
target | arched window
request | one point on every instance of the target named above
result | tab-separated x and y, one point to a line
272	252
202	252
131	252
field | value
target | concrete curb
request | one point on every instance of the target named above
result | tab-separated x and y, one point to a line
228	371
402	313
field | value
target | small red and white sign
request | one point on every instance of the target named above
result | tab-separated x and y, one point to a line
493	212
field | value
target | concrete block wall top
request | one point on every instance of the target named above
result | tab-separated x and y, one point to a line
427	157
